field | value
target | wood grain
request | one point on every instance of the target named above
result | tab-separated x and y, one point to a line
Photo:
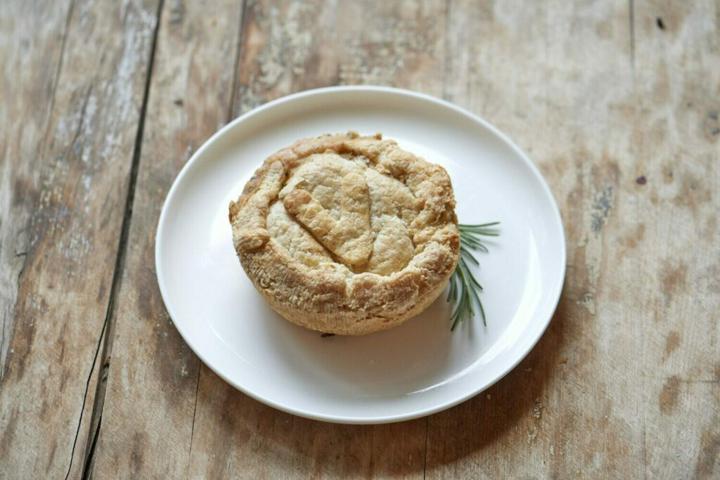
617	102
284	47
677	144
148	415
30	55
567	411
621	132
69	189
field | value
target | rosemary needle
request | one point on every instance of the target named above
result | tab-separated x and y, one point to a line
464	291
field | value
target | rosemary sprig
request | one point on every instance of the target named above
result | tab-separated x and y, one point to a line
465	290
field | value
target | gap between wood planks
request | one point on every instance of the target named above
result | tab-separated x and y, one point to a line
238	52
106	334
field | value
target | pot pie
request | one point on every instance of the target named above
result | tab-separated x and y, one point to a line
347	234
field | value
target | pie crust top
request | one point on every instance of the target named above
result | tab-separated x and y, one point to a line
347	234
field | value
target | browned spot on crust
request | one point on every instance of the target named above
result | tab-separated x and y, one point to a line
669	395
672	341
673	279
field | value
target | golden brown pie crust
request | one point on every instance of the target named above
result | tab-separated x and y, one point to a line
347	234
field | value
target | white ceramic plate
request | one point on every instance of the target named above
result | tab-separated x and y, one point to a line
410	371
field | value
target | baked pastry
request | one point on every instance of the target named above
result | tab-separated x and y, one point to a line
347	234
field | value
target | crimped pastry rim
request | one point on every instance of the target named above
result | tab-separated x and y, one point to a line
359	303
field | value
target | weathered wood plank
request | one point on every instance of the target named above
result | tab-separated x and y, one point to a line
68	195
238	437
147	420
557	78
620	120
286	47
677	146
30	54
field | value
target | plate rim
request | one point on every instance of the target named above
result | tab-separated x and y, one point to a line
345	419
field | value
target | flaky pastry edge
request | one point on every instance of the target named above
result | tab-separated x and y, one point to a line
356	303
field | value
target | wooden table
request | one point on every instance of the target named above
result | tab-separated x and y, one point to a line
101	104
